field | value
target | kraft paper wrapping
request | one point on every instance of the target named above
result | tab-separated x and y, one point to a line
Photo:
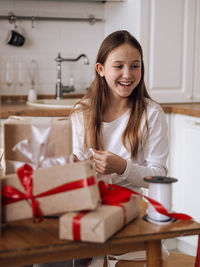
100	224
49	178
39	141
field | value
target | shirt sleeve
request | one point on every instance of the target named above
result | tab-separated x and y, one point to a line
154	150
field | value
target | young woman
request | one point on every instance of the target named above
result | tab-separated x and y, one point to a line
119	122
117	119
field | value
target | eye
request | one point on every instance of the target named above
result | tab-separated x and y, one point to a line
118	66
135	66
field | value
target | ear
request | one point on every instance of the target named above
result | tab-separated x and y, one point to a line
100	69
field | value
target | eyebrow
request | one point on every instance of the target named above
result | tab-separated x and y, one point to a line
120	61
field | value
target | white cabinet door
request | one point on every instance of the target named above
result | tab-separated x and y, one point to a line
185	166
175	159
191	166
168	40
196	92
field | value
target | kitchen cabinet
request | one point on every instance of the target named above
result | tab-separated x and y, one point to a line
184	165
170	36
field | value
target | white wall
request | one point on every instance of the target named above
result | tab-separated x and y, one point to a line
123	16
47	38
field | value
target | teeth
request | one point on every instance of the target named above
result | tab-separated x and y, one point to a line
125	83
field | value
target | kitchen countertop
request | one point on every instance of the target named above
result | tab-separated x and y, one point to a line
25	110
190	109
16	109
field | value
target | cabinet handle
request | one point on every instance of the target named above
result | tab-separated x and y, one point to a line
197	123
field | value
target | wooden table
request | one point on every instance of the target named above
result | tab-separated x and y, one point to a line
26	242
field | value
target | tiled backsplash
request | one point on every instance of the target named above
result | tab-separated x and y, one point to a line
45	39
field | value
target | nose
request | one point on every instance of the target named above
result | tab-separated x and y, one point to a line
127	72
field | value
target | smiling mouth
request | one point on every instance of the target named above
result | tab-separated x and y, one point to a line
125	83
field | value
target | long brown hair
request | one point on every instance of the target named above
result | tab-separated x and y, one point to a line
94	103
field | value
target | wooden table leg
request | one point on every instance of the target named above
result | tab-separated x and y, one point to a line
154	253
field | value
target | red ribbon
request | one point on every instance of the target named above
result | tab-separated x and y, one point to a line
108	197
111	193
77	226
12	195
115	194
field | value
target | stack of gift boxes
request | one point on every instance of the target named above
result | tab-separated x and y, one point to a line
41	180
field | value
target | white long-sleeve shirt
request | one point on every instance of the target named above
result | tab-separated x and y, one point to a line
152	154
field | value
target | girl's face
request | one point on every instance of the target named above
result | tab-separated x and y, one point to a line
122	70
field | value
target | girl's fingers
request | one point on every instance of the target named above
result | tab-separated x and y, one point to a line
98	156
97	161
99	169
99	152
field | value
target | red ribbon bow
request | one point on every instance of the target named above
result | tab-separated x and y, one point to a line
25	172
113	194
12	195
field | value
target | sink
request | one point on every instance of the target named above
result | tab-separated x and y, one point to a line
54	103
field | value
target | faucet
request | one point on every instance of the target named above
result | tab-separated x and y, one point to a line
60	88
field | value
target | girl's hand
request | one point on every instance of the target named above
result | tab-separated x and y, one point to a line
107	162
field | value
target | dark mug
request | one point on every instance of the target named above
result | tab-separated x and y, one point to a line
15	38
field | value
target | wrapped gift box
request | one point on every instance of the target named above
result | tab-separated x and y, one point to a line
39	141
97	225
73	175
